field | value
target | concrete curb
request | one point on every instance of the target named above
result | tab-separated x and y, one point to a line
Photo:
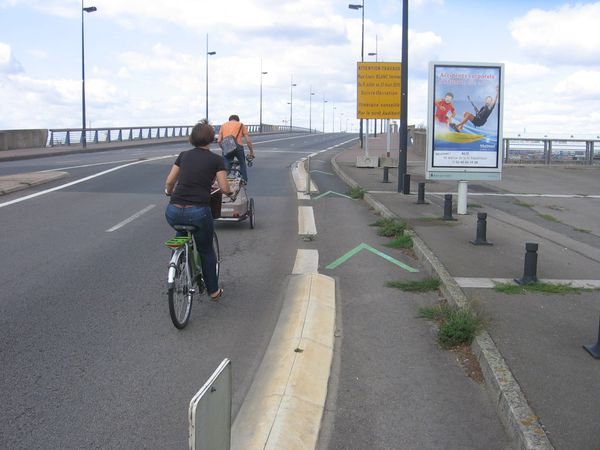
14	183
517	416
285	404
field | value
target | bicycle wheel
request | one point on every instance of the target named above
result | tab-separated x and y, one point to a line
180	294
217	253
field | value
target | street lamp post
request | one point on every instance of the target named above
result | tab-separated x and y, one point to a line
292	84
375	53
207	55
362	50
403	141
310	110
324	101
89	9
260	129
333	119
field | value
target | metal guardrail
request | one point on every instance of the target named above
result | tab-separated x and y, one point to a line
74	136
551	151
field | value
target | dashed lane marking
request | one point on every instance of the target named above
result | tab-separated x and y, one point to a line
130	219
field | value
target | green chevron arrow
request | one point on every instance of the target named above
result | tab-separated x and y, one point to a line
331	193
342	259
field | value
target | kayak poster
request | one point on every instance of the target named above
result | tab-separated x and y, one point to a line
465	120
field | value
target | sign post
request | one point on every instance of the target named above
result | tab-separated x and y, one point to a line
378	91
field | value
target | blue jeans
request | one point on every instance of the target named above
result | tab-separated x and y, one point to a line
241	157
201	217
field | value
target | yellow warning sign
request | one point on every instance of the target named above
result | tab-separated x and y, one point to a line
378	90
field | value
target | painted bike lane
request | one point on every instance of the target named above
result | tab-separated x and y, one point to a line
391	385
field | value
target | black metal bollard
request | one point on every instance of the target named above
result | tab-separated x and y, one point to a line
406	184
530	266
421	195
386	175
594	350
448	207
480	238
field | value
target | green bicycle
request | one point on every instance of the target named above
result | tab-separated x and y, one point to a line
184	278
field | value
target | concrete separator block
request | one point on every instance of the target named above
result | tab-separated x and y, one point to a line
284	406
367	161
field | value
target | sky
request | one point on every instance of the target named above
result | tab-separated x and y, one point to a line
146	60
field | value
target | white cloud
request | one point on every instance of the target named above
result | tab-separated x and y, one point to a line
518	71
583	84
8	64
564	35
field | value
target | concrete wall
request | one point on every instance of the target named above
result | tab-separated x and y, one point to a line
14	139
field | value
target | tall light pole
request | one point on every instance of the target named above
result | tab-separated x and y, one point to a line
311	93
333	119
292	84
362	50
375	54
207	55
89	9
324	101
261	85
403	141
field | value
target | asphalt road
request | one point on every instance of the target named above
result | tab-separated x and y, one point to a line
89	356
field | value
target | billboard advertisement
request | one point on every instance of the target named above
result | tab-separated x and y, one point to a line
465	121
378	90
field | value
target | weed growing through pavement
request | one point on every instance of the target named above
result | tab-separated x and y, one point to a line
522	203
401	241
582	230
357	192
457	325
390	227
543	288
427	285
549	218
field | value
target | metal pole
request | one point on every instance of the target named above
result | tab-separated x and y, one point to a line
362	58
403	142
376	60
261	82
206	77
333	118
324	101
83	137
310	92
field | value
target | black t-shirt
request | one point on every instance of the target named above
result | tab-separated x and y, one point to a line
197	170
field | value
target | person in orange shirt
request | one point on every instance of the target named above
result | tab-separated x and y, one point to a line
237	129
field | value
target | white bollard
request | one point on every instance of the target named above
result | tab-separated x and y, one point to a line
462	197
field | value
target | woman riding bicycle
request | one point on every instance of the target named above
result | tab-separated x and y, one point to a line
194	171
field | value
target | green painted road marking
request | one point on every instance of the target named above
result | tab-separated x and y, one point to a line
342	259
332	193
320	171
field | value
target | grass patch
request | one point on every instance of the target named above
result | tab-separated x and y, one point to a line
390	227
543	288
474	205
549	218
522	203
457	326
583	230
357	192
430	284
400	241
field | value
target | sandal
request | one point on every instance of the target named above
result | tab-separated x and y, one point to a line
217	296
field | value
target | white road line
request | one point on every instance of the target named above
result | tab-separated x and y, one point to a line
82	180
307	261
130	219
303	196
89	165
